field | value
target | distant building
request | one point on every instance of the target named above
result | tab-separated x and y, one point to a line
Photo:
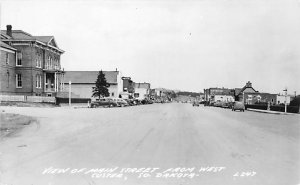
30	65
239	96
247	94
280	99
218	94
82	82
259	97
128	88
141	90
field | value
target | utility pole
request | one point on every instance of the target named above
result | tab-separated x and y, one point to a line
70	93
285	100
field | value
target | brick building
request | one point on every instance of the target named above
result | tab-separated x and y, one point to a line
7	68
34	64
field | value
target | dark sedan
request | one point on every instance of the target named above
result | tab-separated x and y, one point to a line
104	102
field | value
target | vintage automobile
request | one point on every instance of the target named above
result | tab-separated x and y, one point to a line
121	102
130	102
196	103
218	104
238	106
104	102
225	105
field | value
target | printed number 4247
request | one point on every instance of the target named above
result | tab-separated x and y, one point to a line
244	174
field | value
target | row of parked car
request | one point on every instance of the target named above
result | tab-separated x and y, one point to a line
228	105
118	102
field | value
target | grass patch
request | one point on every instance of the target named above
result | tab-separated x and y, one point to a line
11	123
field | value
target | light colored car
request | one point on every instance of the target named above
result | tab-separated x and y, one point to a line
238	106
121	102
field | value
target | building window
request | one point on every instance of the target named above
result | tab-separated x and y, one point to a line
48	63
19	58
136	95
38	60
18	80
112	94
38	81
7	75
51	63
7	58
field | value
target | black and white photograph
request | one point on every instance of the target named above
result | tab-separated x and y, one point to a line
150	92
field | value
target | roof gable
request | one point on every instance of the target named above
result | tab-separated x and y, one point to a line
47	40
52	42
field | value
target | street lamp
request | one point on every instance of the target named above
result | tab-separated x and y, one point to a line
285	100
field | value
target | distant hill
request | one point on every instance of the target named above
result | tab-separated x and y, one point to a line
186	93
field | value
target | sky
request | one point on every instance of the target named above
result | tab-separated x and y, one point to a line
184	45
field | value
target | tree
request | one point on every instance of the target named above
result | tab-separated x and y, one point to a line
101	88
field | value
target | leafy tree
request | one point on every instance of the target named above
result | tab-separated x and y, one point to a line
101	88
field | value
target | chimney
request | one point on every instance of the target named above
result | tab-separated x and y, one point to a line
8	30
248	84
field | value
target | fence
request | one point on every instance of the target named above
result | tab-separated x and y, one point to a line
291	109
22	98
39	99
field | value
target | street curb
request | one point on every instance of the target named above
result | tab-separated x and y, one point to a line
271	112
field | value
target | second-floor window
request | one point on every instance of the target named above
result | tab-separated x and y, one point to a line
7	58
48	62
40	60
19	58
18	80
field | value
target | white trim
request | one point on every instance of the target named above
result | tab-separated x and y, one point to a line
21	44
7	50
37	41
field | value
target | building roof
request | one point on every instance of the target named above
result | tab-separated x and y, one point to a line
89	77
142	85
44	39
20	35
247	86
3	45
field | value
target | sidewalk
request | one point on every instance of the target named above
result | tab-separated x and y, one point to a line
271	112
74	105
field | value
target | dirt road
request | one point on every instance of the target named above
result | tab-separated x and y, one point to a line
166	143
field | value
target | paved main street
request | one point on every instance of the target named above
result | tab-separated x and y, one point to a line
158	136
